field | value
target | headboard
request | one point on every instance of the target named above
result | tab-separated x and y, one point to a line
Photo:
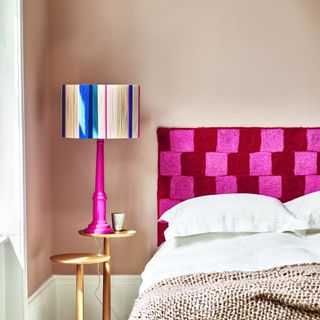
278	162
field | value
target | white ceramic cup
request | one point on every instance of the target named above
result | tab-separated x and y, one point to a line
117	220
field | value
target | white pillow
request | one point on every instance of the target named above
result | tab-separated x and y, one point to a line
229	213
306	209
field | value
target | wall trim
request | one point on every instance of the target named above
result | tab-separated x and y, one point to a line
42	304
41	291
3	240
55	298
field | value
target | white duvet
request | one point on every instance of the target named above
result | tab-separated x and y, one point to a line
216	252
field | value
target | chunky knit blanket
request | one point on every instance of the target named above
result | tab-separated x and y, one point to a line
289	292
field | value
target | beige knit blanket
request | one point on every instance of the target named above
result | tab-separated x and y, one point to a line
289	292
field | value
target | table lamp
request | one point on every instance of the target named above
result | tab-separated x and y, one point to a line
100	111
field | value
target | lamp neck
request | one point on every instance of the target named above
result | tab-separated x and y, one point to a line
100	166
99	223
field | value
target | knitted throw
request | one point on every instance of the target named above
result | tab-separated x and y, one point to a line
289	292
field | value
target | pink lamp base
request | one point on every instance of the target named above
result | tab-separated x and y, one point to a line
96	228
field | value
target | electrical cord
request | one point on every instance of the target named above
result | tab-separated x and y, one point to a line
99	281
98	273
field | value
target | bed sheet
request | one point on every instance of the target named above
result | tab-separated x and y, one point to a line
217	252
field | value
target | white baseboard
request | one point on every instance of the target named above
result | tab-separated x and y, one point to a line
2	279
43	303
55	299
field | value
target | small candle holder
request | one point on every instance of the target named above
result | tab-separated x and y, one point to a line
117	220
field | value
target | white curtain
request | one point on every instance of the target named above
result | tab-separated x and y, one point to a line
10	124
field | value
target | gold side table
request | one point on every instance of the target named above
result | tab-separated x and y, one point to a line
106	312
80	259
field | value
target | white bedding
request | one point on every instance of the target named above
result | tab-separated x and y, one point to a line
216	252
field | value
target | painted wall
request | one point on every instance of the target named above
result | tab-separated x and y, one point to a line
200	63
38	145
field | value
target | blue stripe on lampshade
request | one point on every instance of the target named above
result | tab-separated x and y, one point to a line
89	107
100	111
95	111
63	111
130	111
83	111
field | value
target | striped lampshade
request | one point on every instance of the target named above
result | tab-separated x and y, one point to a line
100	111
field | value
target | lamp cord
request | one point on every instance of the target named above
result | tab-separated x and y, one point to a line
99	280
98	273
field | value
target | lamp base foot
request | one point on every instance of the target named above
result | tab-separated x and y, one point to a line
99	228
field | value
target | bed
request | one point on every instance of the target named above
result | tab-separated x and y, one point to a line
211	268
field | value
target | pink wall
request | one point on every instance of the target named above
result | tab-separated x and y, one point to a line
200	63
38	145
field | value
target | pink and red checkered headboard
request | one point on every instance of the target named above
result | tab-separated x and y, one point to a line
278	162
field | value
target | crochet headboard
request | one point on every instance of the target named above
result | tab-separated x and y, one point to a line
278	162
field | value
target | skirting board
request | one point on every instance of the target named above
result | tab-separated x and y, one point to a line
2	279
43	303
55	299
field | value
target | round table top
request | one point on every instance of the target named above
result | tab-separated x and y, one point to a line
79	258
114	234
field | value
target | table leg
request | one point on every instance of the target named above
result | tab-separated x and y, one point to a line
79	293
106	313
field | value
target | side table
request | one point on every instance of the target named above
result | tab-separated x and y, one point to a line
106	312
80	259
